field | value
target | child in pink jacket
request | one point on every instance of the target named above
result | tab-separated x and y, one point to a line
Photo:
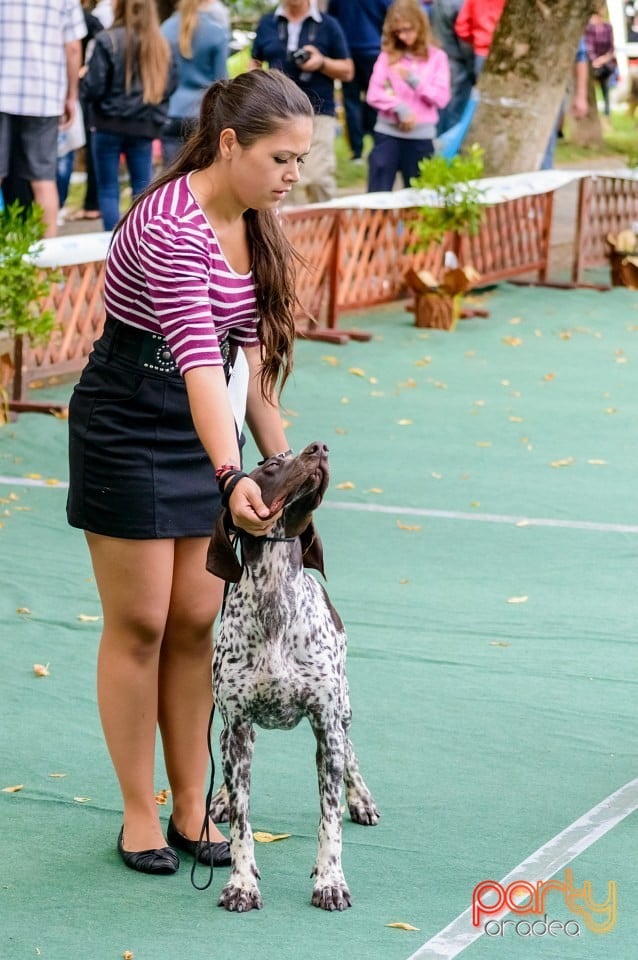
409	84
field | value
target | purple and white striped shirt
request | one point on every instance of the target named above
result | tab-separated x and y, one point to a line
166	273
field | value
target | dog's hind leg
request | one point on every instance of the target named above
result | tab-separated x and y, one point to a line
241	892
360	801
219	805
330	891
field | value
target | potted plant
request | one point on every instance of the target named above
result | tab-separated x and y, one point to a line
456	209
623	258
23	285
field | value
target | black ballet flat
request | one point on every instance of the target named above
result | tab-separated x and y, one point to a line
162	861
220	851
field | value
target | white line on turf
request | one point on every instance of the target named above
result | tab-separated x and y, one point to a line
410	511
487	517
541	865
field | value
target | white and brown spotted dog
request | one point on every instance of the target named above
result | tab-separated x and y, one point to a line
280	656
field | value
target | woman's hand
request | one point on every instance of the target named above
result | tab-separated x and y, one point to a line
248	510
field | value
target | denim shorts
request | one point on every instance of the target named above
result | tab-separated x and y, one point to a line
137	469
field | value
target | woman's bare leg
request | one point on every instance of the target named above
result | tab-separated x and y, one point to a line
185	684
134	578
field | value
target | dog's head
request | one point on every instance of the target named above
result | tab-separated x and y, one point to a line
294	485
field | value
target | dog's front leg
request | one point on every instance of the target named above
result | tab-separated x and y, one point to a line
330	891
241	892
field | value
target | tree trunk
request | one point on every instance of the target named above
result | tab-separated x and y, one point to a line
524	80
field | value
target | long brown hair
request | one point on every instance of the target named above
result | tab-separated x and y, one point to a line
146	50
188	16
254	105
412	12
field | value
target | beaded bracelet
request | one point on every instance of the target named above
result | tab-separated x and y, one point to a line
224	469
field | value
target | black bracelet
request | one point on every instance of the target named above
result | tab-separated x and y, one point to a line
275	456
230	482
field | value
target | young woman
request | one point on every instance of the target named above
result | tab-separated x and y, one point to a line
129	78
199	46
198	266
410	82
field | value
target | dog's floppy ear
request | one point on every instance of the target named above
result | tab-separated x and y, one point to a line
312	549
221	559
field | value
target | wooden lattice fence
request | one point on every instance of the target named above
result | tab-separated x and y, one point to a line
606	204
352	257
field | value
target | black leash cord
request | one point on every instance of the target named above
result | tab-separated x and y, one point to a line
204	833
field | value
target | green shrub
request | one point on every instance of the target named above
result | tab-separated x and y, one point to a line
23	284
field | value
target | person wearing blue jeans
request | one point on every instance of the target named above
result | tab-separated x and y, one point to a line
461	58
127	86
361	22
108	148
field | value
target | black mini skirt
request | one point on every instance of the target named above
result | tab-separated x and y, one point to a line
137	469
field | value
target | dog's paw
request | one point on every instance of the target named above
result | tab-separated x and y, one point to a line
331	897
219	806
241	899
363	810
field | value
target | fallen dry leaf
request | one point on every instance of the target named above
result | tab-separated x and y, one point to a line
341	431
549	376
408	383
346	485
402	926
567	462
333	361
345	400
499	643
127	955
597	463
161	797
23	610
88	617
523	523
33	476
41	670
404	423
57	776
262	836
403	581
15	789
52	482
515	320
374	490
407	526
82	799
483	443
518	599
423	363
515	419
512	341
356	371
611	410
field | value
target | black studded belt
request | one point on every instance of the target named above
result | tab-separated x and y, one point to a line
150	351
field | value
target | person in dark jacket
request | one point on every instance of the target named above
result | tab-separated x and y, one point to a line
130	77
361	22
